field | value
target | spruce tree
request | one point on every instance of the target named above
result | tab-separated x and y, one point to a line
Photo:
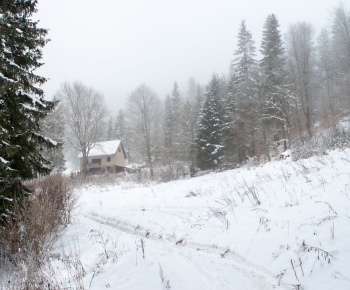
240	137
272	50
244	55
276	97
168	122
210	126
22	103
173	104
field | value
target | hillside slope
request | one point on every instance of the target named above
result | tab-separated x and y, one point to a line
283	225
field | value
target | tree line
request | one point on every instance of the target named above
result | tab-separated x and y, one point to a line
260	108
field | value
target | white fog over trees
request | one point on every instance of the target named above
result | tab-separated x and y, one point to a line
238	183
276	94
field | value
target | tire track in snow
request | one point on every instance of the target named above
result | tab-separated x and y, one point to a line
255	277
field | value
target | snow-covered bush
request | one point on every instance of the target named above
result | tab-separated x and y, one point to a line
335	137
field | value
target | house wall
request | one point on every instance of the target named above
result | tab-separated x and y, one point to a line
116	159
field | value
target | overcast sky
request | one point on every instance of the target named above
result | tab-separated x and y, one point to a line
116	45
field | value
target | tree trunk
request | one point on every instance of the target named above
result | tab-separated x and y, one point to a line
149	157
266	148
84	166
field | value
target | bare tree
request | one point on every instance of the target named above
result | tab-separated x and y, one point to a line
144	115
302	61
327	73
85	113
341	47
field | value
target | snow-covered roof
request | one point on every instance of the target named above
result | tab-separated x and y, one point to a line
103	148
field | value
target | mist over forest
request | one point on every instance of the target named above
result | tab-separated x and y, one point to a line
244	173
274	94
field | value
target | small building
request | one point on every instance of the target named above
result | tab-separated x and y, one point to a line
105	157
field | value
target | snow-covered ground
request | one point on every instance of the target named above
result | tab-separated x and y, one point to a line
277	226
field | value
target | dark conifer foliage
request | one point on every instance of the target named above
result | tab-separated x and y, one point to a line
275	107
210	127
240	136
244	55
22	103
172	113
272	49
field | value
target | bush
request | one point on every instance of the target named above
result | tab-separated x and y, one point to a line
26	240
330	139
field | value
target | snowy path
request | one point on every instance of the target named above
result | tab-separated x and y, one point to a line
193	266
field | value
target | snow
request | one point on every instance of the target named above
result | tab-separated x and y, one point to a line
47	139
4	160
103	148
28	107
274	226
7	79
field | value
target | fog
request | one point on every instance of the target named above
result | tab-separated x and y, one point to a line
114	46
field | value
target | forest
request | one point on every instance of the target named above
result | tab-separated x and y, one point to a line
287	98
276	96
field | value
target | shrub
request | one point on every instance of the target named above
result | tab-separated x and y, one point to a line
26	240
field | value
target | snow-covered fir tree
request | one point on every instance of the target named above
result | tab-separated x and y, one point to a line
244	60
210	127
272	50
22	103
242	103
276	105
173	105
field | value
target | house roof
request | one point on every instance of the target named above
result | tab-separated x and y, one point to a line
103	148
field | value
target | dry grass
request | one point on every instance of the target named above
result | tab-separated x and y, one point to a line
27	240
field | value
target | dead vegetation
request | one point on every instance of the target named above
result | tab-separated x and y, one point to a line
27	240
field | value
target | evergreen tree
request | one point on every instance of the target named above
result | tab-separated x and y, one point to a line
240	137
245	55
209	135
275	98
22	103
198	99
53	127
191	88
168	122
121	132
109	132
272	50
173	105
188	123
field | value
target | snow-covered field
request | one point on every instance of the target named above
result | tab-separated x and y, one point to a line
277	226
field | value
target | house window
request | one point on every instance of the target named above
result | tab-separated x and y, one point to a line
108	159
96	161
